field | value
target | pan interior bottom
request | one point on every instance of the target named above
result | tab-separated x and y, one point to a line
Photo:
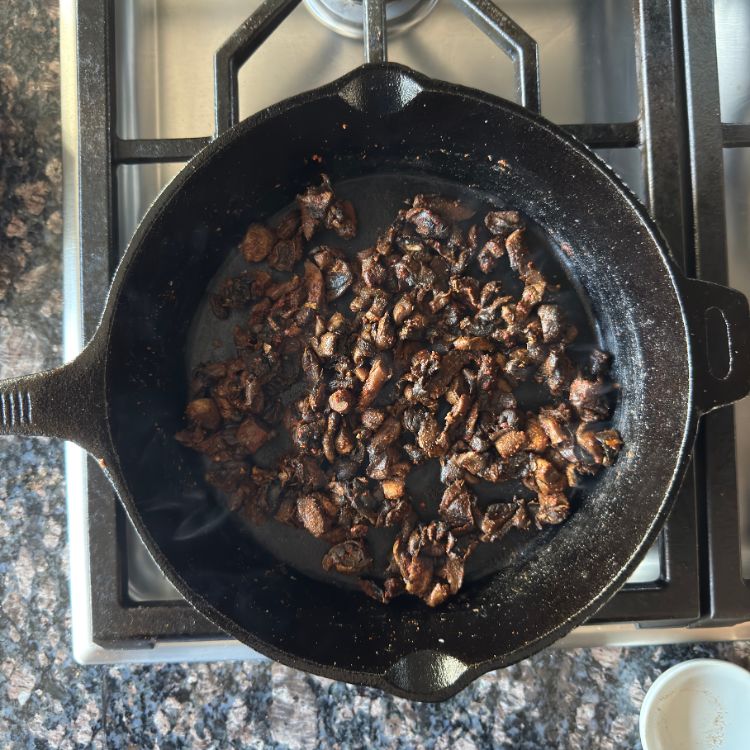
377	199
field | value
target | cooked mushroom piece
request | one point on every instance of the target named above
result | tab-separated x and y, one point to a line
288	225
315	286
380	373
428	223
203	412
349	557
510	442
497	521
252	435
458	508
342	218
257	243
490	254
339	278
553	508
518	255
313	205
312	515
553	322
285	254
341	401
502	223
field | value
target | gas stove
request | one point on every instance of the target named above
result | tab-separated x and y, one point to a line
657	87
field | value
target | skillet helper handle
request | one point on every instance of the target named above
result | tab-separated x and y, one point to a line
719	322
67	402
427	675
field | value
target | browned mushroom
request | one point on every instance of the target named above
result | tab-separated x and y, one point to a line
257	243
380	373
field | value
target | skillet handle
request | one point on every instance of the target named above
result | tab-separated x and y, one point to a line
719	324
67	402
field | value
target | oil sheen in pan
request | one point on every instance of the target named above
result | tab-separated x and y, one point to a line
377	198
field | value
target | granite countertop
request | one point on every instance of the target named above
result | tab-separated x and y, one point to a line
575	699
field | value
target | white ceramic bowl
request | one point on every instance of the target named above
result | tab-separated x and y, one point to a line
702	704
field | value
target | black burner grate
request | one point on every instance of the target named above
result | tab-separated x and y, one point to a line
680	137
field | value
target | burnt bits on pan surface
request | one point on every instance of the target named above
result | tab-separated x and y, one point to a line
412	351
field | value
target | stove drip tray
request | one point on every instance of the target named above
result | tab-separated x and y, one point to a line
345	17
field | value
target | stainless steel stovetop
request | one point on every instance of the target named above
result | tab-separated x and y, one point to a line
163	83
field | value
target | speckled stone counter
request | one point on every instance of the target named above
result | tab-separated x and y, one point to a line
577	699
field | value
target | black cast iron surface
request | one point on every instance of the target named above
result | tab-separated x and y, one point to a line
399	123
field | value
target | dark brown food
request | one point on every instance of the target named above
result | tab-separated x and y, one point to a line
285	254
349	557
257	243
502	223
374	363
318	207
204	413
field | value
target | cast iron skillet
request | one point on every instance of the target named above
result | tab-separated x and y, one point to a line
123	397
